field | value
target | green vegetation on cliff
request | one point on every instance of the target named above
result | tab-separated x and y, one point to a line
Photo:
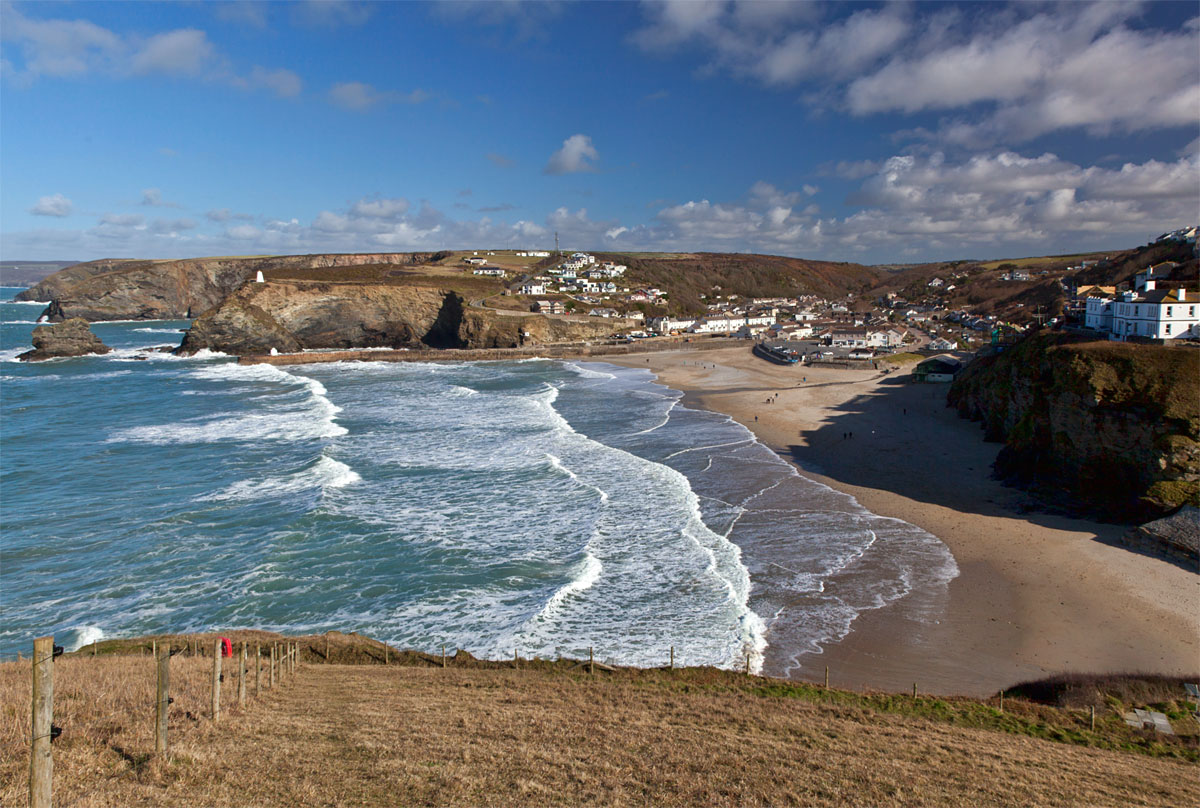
1115	426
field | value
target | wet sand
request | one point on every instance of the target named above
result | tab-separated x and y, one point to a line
1037	593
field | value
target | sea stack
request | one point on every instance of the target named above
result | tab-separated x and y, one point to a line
69	338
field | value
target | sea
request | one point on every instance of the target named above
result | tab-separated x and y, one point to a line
538	507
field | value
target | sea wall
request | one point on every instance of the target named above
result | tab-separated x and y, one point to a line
1110	427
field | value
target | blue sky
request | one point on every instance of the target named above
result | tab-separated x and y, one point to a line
855	131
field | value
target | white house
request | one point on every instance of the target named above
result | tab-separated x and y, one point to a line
665	325
533	289
1098	302
549	306
1168	313
942	344
476	261
603	313
493	271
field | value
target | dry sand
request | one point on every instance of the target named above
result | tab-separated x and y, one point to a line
1037	593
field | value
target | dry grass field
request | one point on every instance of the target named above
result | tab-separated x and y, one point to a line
543	733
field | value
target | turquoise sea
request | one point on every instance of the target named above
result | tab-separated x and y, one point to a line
539	506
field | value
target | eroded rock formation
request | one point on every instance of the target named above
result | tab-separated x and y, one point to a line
70	338
155	290
291	316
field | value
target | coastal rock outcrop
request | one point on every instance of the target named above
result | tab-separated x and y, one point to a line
70	338
150	290
1113	427
292	316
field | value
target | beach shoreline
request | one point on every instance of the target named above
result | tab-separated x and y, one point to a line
1037	593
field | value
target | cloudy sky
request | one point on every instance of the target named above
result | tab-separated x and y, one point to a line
853	131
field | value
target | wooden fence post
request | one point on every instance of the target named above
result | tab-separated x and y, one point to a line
443	655
747	663
216	682
1093	718
385	653
914	690
41	759
1001	701
242	677
672	657
826	677
271	680
162	698
591	660
257	669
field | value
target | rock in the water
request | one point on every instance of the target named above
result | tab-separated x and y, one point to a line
69	338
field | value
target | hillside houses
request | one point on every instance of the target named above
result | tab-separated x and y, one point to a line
1154	309
549	307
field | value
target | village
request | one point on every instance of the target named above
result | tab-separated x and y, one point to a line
855	327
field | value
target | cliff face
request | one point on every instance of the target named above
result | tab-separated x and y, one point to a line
292	316
147	290
1113	426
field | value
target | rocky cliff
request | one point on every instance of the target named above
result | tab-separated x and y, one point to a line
1112	426
150	290
70	338
295	315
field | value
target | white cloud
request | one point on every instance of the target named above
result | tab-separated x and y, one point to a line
123	219
243	12
76	48
1011	73
358	96
152	197
53	205
184	52
222	215
380	208
354	95
58	48
925	206
330	13
284	83
573	157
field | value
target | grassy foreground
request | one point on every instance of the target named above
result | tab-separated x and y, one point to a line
354	731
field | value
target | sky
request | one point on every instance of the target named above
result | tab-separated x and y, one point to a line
866	132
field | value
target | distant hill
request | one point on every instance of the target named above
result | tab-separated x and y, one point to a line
986	287
27	273
686	277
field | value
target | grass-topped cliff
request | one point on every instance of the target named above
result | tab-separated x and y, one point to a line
1114	426
352	730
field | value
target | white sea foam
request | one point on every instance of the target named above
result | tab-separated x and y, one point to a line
587	373
314	419
325	473
82	636
42	303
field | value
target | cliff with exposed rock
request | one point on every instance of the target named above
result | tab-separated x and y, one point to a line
290	315
154	290
1113	427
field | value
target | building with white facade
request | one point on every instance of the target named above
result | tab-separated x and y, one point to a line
1155	309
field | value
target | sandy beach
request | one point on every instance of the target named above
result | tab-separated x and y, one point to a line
1037	593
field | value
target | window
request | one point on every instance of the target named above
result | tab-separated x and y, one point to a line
1169	311
1168	328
